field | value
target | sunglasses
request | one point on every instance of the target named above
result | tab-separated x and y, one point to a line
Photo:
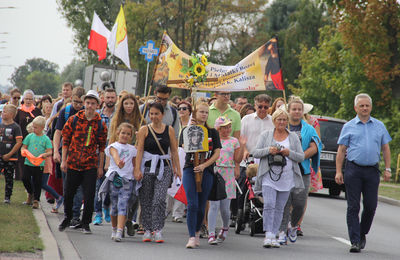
17	98
261	107
182	108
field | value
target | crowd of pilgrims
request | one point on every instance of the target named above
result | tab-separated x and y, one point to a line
121	157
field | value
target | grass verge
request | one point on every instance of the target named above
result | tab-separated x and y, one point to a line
19	230
391	190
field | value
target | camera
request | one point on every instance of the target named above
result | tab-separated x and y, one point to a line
279	147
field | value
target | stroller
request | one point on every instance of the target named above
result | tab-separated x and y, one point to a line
252	209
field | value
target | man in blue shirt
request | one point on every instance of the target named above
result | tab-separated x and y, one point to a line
362	138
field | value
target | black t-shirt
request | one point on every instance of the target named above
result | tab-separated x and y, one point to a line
296	129
8	134
213	144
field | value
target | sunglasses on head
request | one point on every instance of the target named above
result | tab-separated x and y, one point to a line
261	107
182	108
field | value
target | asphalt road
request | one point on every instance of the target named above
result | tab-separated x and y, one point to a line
325	237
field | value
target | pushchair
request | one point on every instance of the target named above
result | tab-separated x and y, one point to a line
251	211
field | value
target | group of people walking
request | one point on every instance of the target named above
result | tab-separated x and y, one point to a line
120	158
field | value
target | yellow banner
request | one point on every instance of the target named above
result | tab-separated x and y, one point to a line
259	71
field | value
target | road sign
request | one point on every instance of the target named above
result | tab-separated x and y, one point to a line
149	51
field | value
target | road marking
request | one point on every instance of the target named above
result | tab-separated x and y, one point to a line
342	240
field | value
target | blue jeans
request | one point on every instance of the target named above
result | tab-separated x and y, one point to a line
46	187
360	180
196	200
98	204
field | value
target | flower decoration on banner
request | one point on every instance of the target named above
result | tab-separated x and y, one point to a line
195	68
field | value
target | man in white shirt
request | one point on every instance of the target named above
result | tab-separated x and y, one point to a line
251	127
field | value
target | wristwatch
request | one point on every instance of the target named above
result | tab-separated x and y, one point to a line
388	170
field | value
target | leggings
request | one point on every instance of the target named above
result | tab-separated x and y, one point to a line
274	203
8	168
215	206
33	175
119	199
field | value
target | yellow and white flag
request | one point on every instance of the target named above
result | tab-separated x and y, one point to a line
118	41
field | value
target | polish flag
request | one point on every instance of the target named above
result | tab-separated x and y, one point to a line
177	191
98	37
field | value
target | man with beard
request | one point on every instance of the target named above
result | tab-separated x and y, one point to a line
106	114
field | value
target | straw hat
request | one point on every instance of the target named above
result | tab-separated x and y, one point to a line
307	108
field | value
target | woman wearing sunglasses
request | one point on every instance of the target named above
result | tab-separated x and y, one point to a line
184	111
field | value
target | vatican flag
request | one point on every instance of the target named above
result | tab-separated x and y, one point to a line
118	41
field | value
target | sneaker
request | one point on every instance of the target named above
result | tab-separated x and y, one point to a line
64	224
355	248
158	238
282	239
60	201
7	200
86	229
146	236
107	216
140	230
135	225
267	242
191	243
292	234
75	223
222	235
113	233
97	220
130	230
35	204
118	236
203	231
275	243
212	240
299	232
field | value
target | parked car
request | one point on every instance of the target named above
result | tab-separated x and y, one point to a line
330	132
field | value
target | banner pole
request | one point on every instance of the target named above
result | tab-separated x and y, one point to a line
145	83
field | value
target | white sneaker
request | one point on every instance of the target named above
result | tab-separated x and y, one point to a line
113	234
118	236
292	234
275	243
158	238
267	242
282	238
146	236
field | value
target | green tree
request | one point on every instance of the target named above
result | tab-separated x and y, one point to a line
73	71
43	83
20	76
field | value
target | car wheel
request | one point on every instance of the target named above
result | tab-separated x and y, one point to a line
335	191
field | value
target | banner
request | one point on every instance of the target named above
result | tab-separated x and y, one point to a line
259	71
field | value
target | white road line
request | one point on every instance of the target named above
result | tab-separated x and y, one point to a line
342	240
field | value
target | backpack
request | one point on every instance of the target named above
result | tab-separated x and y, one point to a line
174	114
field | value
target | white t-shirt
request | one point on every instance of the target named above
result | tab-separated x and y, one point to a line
286	182
126	152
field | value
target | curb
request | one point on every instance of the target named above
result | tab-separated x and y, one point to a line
389	200
50	251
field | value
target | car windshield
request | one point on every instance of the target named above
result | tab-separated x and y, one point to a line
330	132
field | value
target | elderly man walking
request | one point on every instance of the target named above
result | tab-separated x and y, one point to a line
362	138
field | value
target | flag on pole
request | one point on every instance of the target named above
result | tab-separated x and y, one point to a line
177	191
99	35
118	41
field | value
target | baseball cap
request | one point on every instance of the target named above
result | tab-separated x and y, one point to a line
222	121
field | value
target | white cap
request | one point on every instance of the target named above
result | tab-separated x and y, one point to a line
92	94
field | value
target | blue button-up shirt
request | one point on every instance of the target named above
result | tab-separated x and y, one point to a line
364	140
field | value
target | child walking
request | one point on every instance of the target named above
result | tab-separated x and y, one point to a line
10	142
38	147
120	177
231	153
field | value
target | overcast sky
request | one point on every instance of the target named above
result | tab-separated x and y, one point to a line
35	30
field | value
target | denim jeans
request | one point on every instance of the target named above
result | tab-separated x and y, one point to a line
360	180
196	200
98	204
46	187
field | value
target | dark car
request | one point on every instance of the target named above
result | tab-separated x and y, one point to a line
330	132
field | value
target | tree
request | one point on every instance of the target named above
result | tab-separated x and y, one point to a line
20	76
43	83
73	71
370	28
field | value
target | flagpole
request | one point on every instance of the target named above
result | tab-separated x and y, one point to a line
147	74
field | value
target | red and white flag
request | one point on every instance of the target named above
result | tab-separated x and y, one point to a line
177	191
99	35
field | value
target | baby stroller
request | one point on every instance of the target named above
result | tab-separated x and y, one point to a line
252	209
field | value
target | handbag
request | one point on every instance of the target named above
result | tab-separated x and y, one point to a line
276	160
218	191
